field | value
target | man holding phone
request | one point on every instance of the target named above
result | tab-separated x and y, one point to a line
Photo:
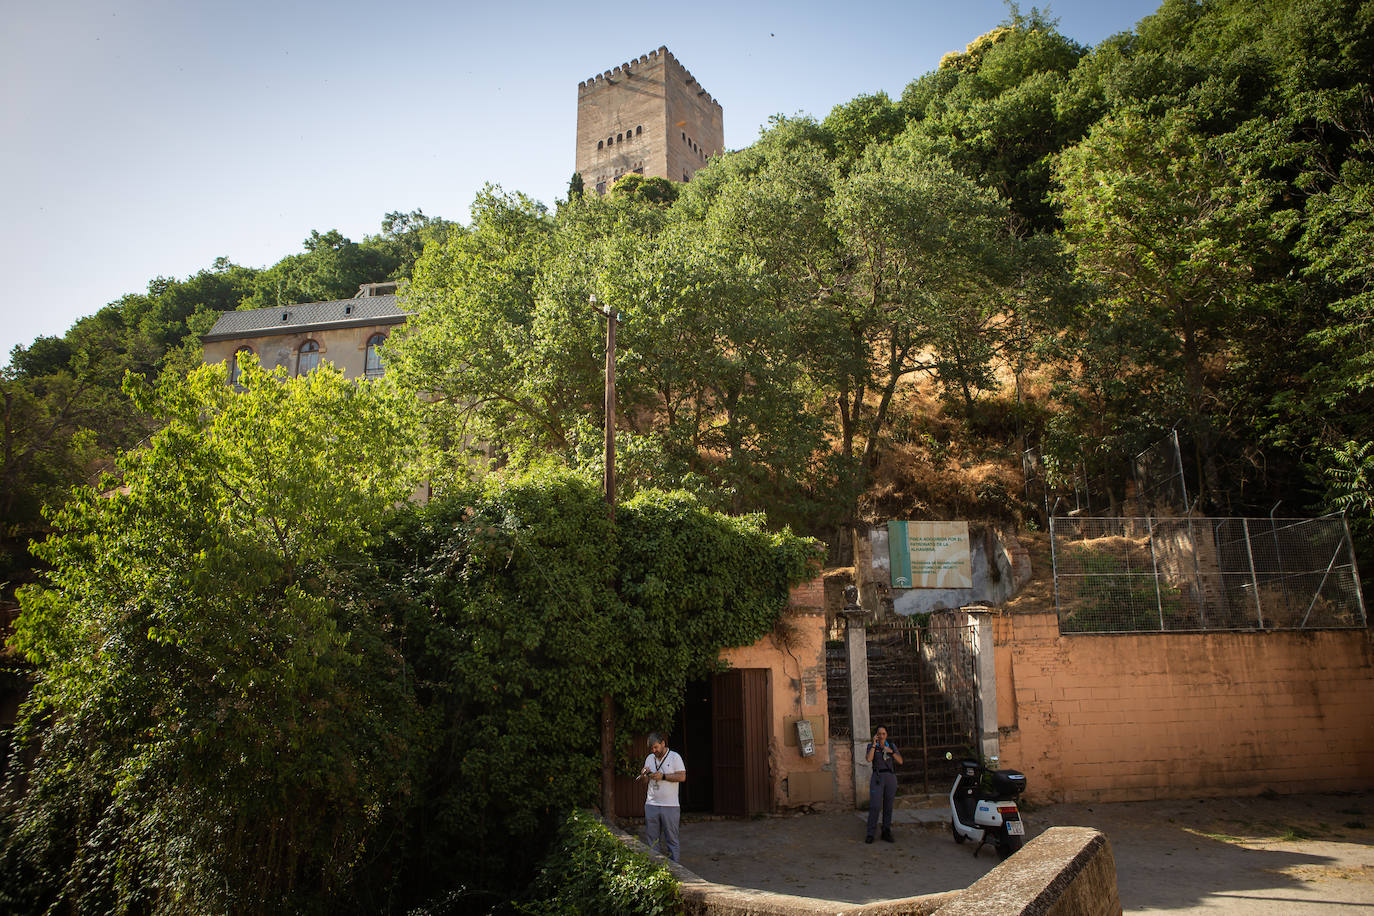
664	770
882	785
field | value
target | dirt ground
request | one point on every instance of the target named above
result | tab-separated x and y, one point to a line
1291	855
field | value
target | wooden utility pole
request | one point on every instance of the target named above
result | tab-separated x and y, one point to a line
607	701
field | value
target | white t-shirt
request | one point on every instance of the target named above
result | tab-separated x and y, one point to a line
662	792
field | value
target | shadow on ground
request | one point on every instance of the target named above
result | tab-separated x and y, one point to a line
1285	855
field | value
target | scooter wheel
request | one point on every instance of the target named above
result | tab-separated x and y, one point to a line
1009	845
958	837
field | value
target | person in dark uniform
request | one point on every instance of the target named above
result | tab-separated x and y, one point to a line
882	785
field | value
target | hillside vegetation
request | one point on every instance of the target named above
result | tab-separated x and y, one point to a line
1039	245
264	681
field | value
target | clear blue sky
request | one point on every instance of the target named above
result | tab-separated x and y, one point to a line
148	138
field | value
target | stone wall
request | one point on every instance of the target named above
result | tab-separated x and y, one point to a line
1066	871
1131	717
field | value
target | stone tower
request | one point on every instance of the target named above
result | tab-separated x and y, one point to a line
648	116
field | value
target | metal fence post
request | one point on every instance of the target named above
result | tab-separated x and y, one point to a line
1354	570
1254	582
1054	568
1154	563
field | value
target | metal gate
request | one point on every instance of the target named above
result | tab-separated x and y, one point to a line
922	688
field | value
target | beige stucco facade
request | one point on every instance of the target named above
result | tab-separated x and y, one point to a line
344	332
346	348
648	116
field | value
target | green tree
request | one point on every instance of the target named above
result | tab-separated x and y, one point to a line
992	111
218	718
883	272
1164	225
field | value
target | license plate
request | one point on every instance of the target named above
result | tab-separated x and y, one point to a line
1016	828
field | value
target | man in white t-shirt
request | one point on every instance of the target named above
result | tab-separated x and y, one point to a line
663	769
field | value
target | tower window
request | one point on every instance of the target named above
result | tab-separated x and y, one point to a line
619	137
600	144
639	130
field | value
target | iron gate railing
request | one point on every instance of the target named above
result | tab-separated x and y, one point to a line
922	689
837	680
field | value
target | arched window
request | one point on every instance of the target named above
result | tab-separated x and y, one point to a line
639	130
372	366
619	138
600	144
234	370
307	358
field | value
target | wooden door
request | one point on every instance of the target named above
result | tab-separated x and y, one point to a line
741	713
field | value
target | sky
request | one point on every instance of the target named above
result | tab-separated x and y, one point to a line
146	139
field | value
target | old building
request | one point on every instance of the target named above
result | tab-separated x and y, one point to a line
345	332
648	116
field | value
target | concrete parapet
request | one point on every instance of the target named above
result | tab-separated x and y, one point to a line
1066	871
702	898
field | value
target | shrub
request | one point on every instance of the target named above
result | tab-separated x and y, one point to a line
589	871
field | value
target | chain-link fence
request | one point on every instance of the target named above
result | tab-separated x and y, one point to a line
1116	575
1161	487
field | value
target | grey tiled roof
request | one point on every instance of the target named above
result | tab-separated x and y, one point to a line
308	316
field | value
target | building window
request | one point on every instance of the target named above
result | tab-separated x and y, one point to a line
372	366
601	187
639	130
234	370
307	358
600	144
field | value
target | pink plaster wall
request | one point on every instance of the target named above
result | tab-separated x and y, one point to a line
1119	718
795	654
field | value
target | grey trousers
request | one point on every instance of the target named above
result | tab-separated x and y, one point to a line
882	792
661	821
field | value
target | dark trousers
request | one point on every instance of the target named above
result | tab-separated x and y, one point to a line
882	792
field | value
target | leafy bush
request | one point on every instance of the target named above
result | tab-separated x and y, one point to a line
589	871
265	683
526	606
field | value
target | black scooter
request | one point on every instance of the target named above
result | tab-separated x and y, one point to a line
983	807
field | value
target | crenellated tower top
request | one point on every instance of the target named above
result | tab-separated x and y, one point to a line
648	115
623	71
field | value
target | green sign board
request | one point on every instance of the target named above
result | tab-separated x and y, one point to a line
929	554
